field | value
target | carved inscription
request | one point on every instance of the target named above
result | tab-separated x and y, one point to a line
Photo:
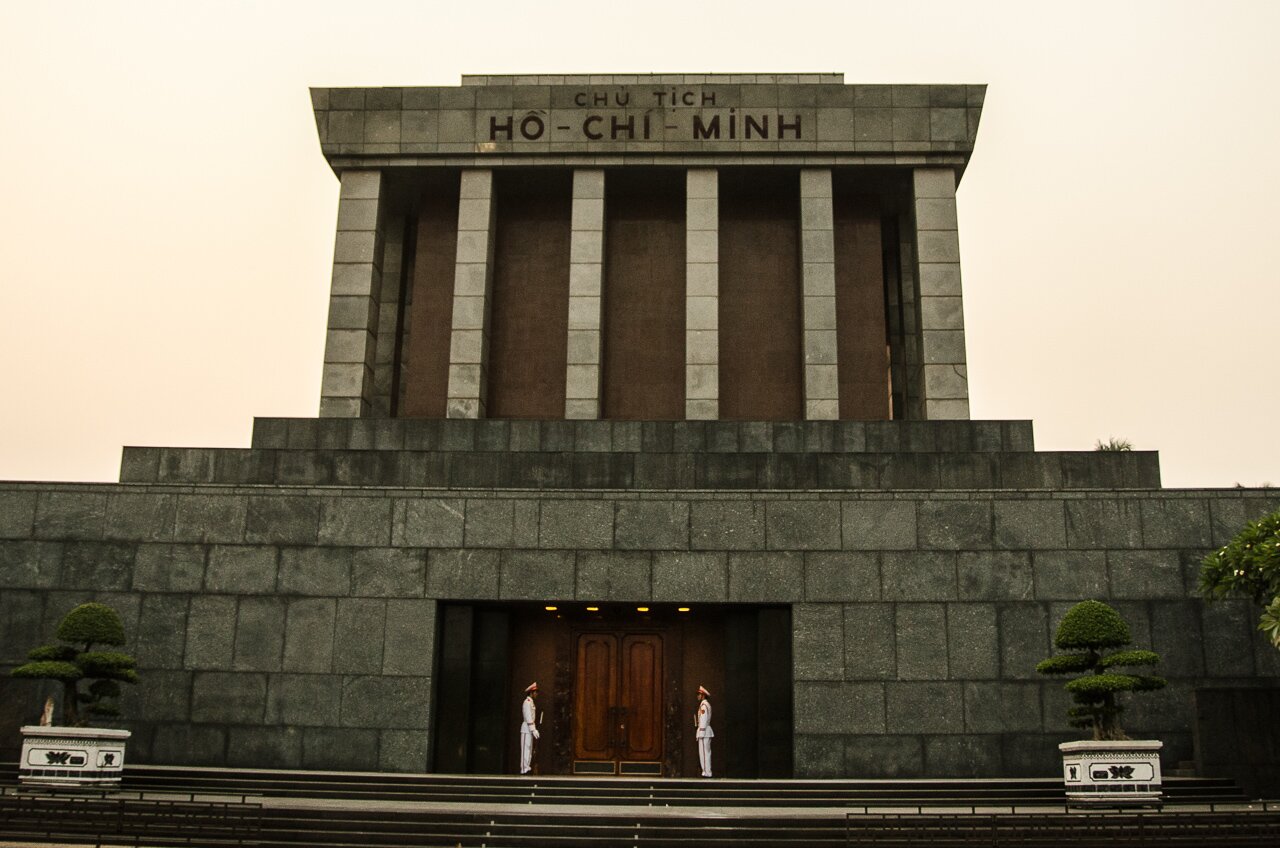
661	98
620	114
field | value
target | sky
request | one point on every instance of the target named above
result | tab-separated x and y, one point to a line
167	219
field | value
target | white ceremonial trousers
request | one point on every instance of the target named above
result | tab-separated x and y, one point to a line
528	730
704	734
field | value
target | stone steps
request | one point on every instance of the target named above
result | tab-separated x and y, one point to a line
201	806
660	792
648	470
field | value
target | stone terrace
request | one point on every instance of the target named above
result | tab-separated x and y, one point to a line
668	455
292	625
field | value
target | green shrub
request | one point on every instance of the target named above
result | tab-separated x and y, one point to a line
1249	567
1092	623
93	624
1113	444
71	664
1092	631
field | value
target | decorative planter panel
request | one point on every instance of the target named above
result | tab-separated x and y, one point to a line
72	756
1122	772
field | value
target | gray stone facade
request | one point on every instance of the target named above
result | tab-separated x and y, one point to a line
293	625
866	120
375	139
286	601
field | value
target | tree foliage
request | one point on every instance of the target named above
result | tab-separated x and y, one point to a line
77	662
1093	631
93	624
1092	624
1249	567
1270	622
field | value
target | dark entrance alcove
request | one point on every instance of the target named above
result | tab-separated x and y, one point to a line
617	687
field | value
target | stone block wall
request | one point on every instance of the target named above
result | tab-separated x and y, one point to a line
294	626
456	120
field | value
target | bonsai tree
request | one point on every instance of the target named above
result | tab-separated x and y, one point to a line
1249	567
78	661
1094	631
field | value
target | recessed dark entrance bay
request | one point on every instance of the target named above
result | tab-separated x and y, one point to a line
616	687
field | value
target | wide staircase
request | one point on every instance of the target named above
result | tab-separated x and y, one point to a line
164	806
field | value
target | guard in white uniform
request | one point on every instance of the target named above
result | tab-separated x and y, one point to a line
528	728
702	721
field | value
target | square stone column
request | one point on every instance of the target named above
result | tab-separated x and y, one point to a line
946	380
702	294
384	366
586	279
896	324
818	264
346	385
912	378
472	292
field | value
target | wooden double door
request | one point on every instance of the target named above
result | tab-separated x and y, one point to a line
618	698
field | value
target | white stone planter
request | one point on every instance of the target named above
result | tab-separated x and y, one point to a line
1123	772
72	756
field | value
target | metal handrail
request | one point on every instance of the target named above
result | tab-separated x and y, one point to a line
1256	823
887	810
132	816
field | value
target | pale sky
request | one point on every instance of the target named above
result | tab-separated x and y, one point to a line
167	219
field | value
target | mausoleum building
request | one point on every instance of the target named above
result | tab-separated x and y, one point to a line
633	384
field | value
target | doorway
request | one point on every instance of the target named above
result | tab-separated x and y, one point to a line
618	697
617	687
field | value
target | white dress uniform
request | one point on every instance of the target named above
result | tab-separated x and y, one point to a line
703	722
528	733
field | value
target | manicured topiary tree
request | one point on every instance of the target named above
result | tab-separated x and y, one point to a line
1093	631
1249	567
78	661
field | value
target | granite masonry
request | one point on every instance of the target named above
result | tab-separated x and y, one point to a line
286	619
483	449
